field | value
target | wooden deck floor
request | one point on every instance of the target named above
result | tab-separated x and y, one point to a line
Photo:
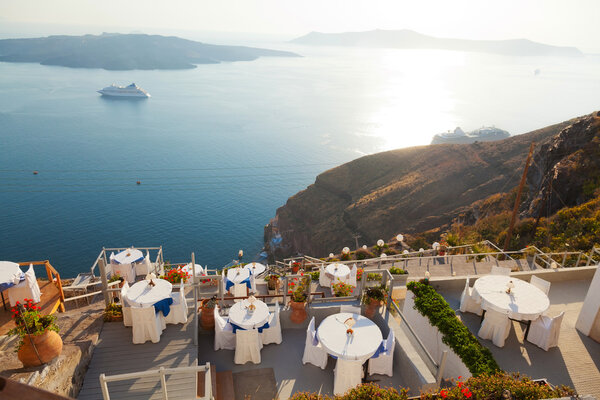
48	302
116	354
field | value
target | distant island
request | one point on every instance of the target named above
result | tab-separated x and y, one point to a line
126	52
407	39
484	134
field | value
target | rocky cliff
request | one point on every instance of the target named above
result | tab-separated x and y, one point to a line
413	190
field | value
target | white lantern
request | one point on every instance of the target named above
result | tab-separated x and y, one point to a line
383	255
405	252
553	265
365	246
330	256
435	245
400	238
421	250
427	275
380	243
345	250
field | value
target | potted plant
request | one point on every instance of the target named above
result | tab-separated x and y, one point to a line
296	267
273	284
113	312
207	313
176	275
529	254
342	289
399	275
35	329
297	292
373	299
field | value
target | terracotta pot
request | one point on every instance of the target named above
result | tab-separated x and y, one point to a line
298	314
295	269
207	316
372	307
48	344
113	318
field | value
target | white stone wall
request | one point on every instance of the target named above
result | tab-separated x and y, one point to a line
591	306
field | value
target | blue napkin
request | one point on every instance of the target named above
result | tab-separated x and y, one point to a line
380	350
229	283
6	285
235	327
163	305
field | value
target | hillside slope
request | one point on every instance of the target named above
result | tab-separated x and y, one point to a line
402	191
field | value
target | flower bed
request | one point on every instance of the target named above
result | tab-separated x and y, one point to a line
342	289
432	305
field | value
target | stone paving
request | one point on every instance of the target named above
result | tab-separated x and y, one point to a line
576	360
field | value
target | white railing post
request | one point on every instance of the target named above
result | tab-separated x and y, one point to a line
104	387
163	382
441	367
195	299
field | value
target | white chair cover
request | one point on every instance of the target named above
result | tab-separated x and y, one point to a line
351	280
467	303
239	290
144	267
350	309
384	364
544	331
495	326
146	325
125	271
26	289
178	312
125	305
496	270
224	336
540	283
224	281
324	280
247	346
347	374
273	333
314	353
252	283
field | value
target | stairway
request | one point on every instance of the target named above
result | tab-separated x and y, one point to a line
222	384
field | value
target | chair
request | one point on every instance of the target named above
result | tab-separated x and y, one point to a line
347	374
384	362
544	331
324	281
540	283
26	289
467	304
252	283
272	334
351	280
240	290
224	336
247	346
350	309
179	310
146	325
145	267
125	305
495	326
496	270
314	353
126	271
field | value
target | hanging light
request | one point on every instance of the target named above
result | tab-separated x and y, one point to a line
380	243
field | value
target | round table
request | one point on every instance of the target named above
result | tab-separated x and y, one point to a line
10	274
235	277
199	269
338	272
525	302
142	294
361	345
256	268
129	256
239	315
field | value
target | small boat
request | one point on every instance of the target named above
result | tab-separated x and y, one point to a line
132	90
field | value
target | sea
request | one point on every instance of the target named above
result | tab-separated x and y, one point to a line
218	148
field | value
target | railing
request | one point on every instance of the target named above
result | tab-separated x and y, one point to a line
158	263
54	277
160	374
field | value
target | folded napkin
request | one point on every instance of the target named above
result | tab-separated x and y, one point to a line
236	327
163	305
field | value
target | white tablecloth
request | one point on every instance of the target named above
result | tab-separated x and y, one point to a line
143	295
10	274
525	302
338	272
199	269
239	315
361	345
129	256
256	268
233	276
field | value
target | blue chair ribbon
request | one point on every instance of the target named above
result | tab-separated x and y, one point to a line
380	350
236	327
163	305
229	283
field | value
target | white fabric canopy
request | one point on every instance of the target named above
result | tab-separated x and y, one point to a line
239	315
129	256
237	275
525	302
256	268
10	273
361	345
143	295
338	271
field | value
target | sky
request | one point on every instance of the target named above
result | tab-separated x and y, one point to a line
557	22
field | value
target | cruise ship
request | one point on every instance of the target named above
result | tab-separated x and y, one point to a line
132	90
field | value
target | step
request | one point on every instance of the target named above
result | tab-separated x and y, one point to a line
224	386
200	389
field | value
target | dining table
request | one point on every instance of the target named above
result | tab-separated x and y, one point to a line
10	275
524	302
359	345
124	262
240	316
238	275
255	268
143	294
337	272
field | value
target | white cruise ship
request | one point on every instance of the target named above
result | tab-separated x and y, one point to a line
132	90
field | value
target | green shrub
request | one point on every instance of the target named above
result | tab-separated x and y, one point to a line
390	252
315	275
375	292
373	276
366	391
398	271
362	254
432	305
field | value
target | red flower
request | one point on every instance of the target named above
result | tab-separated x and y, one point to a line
444	393
459	384
468	395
